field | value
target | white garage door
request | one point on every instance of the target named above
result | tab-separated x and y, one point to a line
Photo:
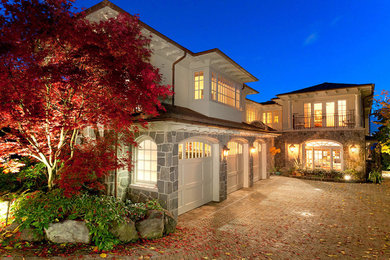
195	175
235	167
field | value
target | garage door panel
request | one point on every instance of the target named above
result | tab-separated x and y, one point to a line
195	180
235	167
193	173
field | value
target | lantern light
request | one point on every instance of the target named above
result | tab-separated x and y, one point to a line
253	149
292	148
225	150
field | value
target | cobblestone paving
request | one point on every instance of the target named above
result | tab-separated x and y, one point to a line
287	218
279	218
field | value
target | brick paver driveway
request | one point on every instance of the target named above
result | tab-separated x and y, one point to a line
287	218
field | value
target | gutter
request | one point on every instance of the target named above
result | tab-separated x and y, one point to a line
173	76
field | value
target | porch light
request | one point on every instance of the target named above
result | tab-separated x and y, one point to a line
225	150
354	149
253	149
347	177
292	148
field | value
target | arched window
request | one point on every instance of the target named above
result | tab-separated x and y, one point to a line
145	167
323	154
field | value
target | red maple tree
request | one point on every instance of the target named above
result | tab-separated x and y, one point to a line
60	73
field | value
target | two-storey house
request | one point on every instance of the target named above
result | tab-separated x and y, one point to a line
199	150
323	126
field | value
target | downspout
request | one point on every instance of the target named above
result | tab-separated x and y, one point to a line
173	76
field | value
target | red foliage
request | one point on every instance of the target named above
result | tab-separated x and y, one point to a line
59	73
91	163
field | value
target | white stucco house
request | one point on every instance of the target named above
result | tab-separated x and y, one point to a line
200	149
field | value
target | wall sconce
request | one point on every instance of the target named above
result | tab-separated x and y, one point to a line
225	150
292	148
253	149
354	149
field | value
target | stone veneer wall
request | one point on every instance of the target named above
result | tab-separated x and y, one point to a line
167	169
346	137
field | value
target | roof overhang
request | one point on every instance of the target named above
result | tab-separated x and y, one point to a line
162	44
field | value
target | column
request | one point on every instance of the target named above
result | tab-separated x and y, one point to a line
358	109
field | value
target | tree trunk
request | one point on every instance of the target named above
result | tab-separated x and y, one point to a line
50	179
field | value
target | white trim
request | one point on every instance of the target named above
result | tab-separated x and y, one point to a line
216	151
245	151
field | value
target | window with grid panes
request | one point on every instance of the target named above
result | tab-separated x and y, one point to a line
146	163
198	84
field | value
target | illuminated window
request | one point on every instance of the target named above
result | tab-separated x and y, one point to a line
250	115
225	91
267	118
193	150
307	114
318	114
329	114
276	119
326	155
146	163
342	112
198	84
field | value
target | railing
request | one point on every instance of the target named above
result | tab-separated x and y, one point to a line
346	120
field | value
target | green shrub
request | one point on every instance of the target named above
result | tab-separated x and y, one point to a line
39	209
353	173
137	211
375	177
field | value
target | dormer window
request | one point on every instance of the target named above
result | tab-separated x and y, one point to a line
225	91
198	84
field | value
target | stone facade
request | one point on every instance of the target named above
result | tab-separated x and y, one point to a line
346	138
166	190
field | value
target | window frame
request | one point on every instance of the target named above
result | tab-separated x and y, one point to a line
222	87
135	180
198	84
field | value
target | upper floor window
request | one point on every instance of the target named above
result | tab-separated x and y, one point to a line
329	114
318	114
198	84
267	117
250	115
146	163
276	119
224	91
342	111
324	114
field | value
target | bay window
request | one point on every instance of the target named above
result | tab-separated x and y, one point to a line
322	154
225	91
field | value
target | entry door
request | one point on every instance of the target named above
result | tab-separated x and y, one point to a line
235	167
195	175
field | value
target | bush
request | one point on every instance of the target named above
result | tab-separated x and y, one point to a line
38	209
137	211
375	177
353	173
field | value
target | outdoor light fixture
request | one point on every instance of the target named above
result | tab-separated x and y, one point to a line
253	149
354	149
347	177
292	148
225	150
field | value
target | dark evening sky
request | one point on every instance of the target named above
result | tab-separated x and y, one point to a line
286	44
